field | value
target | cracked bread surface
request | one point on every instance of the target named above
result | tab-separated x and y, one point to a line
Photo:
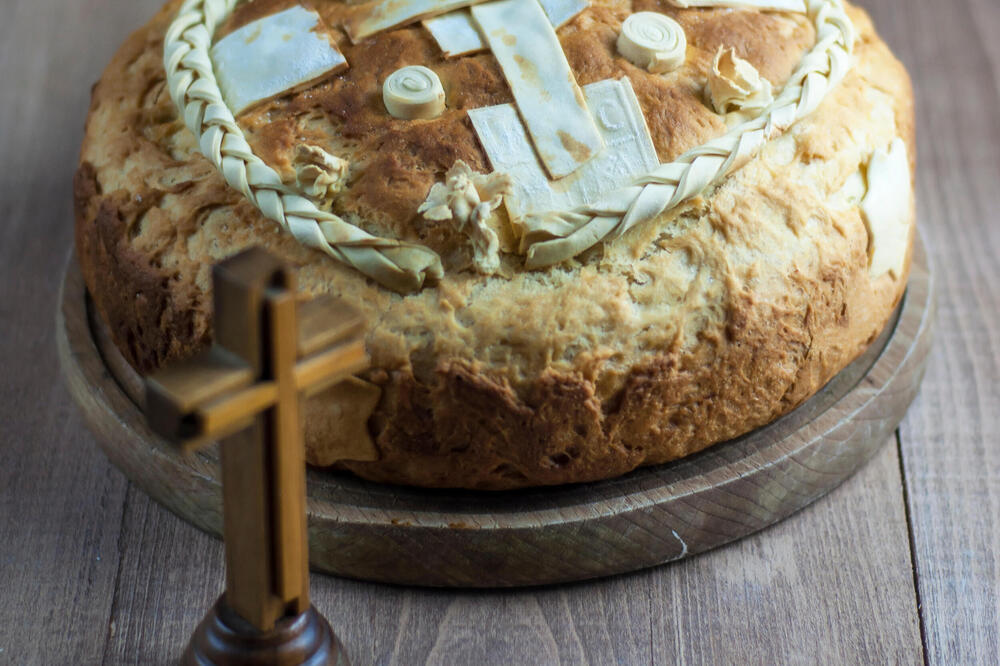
691	329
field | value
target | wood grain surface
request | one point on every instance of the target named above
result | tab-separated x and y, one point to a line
94	572
951	440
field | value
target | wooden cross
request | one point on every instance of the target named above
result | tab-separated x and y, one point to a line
245	391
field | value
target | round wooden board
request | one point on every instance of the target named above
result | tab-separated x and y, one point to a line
531	537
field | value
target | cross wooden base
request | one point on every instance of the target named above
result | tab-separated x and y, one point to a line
223	638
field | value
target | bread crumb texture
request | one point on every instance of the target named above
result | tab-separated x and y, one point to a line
689	330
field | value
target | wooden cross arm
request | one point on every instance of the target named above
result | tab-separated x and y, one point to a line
326	321
176	393
215	393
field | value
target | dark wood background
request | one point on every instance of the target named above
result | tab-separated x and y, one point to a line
901	564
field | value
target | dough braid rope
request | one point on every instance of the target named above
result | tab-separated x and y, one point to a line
556	236
395	264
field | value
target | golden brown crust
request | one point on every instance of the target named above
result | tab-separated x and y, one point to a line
687	331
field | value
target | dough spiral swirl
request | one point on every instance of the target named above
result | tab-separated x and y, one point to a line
653	41
413	92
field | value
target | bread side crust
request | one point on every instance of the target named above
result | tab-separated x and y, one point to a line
687	331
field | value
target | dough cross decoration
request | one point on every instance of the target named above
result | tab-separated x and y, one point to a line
521	34
245	390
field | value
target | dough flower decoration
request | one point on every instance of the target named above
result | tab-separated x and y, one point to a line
396	264
556	236
470	198
735	85
319	174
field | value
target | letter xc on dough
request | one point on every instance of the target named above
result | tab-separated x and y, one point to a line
629	152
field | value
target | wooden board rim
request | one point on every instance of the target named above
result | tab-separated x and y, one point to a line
536	536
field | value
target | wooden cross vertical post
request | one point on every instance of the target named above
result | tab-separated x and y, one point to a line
245	392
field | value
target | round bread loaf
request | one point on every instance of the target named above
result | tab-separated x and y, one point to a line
689	325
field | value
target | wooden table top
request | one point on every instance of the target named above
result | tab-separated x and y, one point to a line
901	563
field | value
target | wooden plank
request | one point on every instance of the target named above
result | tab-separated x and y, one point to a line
171	574
60	501
830	585
776	597
949	440
987	18
60	513
601	622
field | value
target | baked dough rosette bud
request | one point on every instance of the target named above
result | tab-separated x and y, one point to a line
413	92
653	41
736	85
470	198
319	174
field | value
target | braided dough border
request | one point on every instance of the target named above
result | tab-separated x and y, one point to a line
395	264
550	237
